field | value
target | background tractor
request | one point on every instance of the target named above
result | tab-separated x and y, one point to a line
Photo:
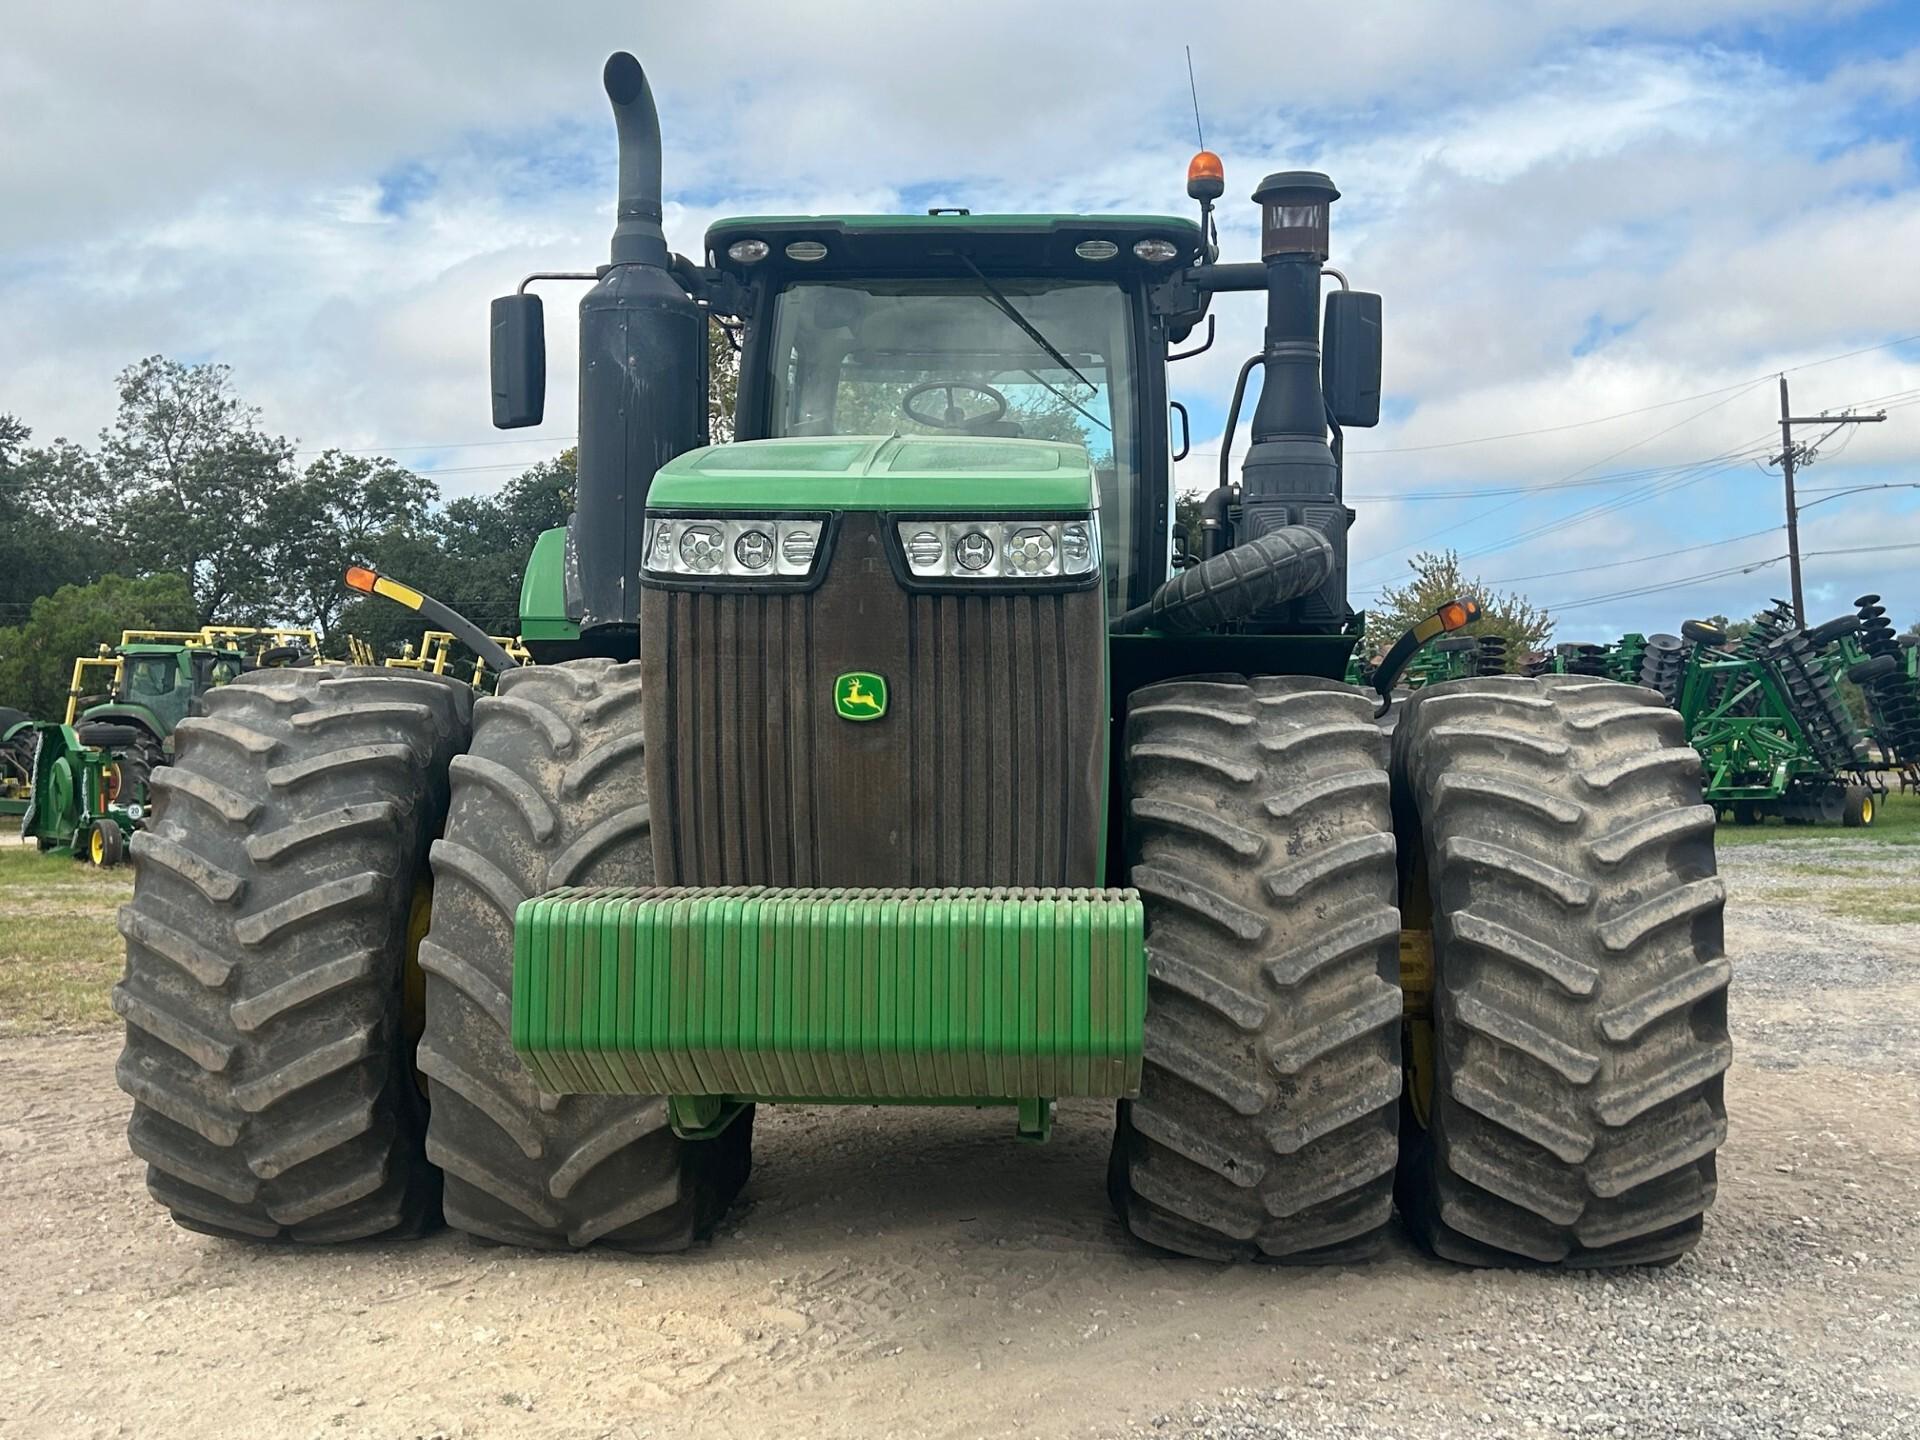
128	699
886	756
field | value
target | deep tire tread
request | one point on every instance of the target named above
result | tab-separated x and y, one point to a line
1260	837
552	792
264	1051
1580	998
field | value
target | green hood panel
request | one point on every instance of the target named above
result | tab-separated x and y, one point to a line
959	473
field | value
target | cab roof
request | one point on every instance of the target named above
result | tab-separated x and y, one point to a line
922	244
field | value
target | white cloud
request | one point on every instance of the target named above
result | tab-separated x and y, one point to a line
214	181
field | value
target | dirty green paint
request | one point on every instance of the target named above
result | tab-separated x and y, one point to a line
954	474
757	994
543	590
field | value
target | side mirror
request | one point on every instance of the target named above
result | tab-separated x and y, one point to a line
519	361
1350	358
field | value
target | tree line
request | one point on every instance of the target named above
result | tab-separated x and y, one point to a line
190	512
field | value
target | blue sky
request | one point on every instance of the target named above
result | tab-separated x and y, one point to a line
1574	212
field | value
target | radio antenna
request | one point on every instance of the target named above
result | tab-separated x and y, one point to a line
1194	90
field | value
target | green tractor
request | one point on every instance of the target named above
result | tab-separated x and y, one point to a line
152	680
885	757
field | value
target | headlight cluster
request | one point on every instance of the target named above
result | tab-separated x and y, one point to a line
739	548
1001	549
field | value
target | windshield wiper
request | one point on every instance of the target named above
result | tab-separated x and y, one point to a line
1006	308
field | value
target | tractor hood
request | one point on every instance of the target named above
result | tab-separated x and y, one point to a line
877	473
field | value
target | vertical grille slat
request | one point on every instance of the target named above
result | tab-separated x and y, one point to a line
987	769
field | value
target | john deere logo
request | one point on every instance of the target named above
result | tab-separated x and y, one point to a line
860	696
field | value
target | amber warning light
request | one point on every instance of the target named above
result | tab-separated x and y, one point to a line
1206	176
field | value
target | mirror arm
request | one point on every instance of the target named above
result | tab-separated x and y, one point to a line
556	275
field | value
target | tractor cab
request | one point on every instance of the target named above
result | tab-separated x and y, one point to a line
950	324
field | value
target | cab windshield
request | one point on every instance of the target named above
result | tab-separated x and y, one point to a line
920	357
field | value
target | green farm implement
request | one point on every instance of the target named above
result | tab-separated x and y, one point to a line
1772	717
72	802
885	755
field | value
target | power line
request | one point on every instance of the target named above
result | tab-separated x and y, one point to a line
1642	410
1700	579
1604	565
1582	602
1574	475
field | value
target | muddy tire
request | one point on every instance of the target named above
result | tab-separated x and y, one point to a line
266	1050
1580	1015
552	792
1260	837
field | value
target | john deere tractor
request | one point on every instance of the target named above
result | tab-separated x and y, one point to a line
152	680
884	757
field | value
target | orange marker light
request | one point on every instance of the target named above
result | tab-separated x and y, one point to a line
360	578
1206	176
1457	614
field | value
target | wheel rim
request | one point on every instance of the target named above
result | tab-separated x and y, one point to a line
97	848
1866	811
1416	982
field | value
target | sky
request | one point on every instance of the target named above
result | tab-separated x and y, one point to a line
1601	230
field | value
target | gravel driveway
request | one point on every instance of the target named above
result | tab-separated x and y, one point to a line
920	1274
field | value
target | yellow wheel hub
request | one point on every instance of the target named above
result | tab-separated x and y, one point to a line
1416	989
1866	811
97	847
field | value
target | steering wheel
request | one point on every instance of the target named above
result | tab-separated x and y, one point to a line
953	417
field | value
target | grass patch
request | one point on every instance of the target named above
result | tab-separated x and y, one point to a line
1897	823
59	950
1876	905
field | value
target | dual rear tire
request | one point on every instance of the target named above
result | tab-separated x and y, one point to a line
1562	1050
272	1002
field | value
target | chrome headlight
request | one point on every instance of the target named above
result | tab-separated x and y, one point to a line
1006	549
730	547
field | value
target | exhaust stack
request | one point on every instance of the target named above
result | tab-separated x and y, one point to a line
643	376
637	236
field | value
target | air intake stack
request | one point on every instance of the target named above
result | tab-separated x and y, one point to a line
1290	476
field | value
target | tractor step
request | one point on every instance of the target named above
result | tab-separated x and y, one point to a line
759	994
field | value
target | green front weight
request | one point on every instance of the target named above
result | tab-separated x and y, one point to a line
886	996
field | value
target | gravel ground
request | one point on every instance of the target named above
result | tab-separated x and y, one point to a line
1800	1313
920	1274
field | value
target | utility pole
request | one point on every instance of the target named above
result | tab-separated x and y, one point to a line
1789	455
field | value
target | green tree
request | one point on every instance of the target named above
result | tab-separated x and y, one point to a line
199	488
470	554
343	509
51	531
723	382
1438	578
36	656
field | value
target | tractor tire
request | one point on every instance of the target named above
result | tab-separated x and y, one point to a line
1860	808
267	1053
1580	991
106	734
1260	837
553	792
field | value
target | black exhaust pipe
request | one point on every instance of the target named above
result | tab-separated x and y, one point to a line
637	236
643	377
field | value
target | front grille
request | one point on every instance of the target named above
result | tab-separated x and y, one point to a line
986	770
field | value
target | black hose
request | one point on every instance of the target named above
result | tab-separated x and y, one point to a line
1271	569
